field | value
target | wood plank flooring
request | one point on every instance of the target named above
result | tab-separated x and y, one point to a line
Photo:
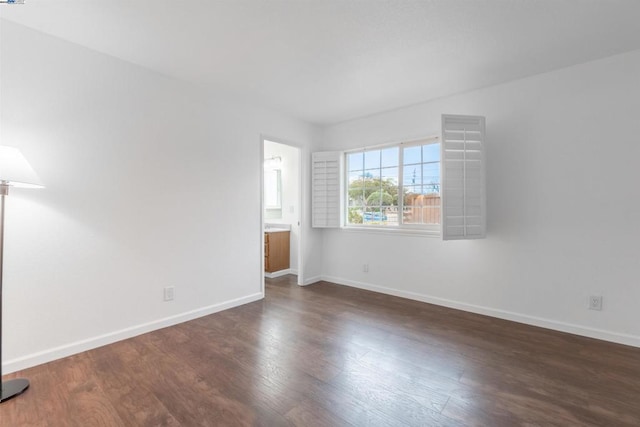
327	355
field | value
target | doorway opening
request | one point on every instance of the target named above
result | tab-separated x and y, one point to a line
281	210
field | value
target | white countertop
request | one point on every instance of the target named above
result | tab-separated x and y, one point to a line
276	228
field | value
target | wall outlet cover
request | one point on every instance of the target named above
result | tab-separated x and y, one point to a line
595	302
168	293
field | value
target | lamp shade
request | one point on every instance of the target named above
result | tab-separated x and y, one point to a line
15	170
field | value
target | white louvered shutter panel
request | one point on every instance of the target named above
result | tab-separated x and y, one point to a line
463	177
325	189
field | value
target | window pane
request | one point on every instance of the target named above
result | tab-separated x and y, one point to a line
369	185
431	214
372	159
372	174
391	213
431	152
390	175
431	171
374	216
412	155
390	157
389	184
355	216
422	208
356	188
374	199
431	188
421	214
410	193
412	175
408	211
354	161
381	197
431	177
355	176
412	215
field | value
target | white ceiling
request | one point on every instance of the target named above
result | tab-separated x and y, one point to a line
327	61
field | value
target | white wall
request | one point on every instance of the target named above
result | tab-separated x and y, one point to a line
563	205
150	183
290	177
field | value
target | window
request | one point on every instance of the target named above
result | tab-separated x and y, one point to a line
435	185
394	186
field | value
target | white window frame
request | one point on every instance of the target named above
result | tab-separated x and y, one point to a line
400	228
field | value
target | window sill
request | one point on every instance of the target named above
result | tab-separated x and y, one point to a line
396	231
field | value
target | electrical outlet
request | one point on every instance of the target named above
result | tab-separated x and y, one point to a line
595	302
168	293
365	268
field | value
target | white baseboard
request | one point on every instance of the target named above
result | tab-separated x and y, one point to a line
49	355
600	334
280	273
312	280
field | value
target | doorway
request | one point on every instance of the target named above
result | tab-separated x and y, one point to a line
281	209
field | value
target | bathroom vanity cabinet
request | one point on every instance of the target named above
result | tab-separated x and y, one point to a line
276	250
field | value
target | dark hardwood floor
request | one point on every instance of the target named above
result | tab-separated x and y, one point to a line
327	355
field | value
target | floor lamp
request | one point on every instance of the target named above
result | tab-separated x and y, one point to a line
15	171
